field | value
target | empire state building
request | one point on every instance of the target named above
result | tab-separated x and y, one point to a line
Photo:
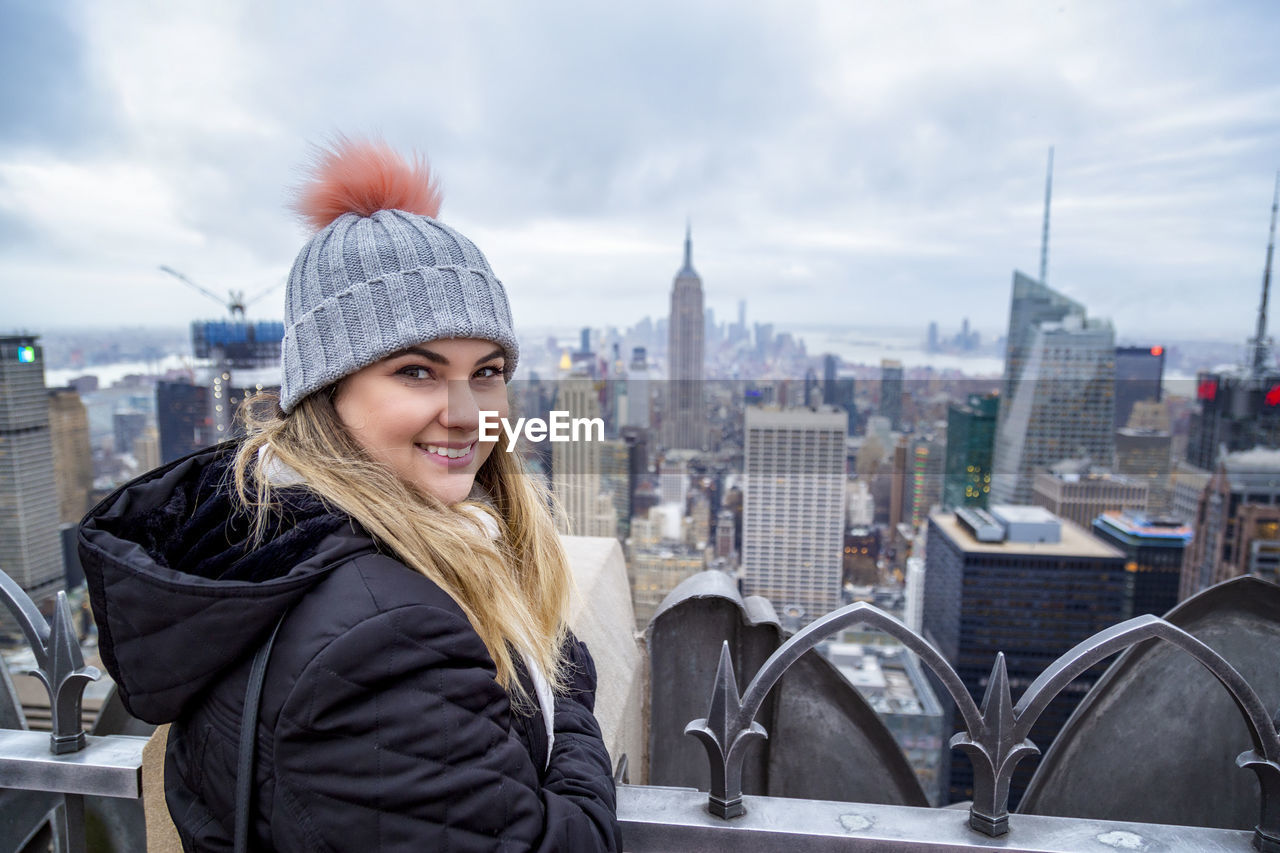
684	417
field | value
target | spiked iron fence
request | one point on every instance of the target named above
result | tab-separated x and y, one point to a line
70	765
995	736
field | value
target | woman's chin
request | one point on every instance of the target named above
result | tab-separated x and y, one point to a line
450	488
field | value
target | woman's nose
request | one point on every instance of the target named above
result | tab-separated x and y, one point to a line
461	410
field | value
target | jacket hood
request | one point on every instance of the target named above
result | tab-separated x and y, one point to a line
179	596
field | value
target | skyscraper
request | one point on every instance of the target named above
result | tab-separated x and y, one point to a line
922	483
830	391
793	509
1153	550
1240	408
891	392
1139	371
971	438
1237	522
1062	404
1016	580
1031	304
575	466
684	417
183	419
72	453
29	544
638	390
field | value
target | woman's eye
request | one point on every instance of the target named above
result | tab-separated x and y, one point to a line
489	372
416	372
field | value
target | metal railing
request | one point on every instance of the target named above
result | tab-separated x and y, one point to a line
995	736
70	765
67	763
661	820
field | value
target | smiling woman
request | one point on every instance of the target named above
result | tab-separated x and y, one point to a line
422	690
418	412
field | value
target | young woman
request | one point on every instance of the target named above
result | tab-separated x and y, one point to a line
422	692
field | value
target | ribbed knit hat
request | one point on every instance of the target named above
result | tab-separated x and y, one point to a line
381	274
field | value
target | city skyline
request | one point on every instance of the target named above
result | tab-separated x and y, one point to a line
835	162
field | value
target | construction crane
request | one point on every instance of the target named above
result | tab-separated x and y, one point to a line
235	342
235	302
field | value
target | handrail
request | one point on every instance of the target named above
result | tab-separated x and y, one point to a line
995	736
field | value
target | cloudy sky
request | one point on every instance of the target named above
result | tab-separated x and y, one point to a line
869	163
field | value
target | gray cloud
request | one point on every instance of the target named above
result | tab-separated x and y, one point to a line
50	96
864	161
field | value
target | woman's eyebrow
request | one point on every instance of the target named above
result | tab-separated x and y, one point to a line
437	358
423	352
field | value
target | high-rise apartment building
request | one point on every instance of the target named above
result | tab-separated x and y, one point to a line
971	437
1146	453
29	512
230	388
1237	522
1239	410
923	478
72	453
575	466
891	392
638	391
684	418
1186	484
183	419
615	480
793	509
1061	406
830	391
146	449
1018	581
1139	373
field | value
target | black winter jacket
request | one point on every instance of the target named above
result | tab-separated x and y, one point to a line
382	727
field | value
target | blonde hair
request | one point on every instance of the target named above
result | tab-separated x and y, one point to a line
514	589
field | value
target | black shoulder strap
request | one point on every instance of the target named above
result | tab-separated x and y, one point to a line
249	739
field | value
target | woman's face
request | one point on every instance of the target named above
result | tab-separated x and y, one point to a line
417	412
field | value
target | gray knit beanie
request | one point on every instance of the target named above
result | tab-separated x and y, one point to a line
379	277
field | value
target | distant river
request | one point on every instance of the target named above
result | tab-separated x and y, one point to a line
869	347
109	374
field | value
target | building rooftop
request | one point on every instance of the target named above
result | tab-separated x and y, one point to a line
1139	525
1075	541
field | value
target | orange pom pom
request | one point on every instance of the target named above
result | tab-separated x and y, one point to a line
363	177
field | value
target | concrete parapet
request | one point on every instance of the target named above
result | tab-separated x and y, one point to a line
602	618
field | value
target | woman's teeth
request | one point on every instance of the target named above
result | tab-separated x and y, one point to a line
449	452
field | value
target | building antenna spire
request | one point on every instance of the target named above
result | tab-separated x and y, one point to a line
1044	235
688	243
1260	347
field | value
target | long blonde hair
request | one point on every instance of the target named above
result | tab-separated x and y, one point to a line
514	589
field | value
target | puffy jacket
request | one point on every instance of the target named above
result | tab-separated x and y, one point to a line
382	727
